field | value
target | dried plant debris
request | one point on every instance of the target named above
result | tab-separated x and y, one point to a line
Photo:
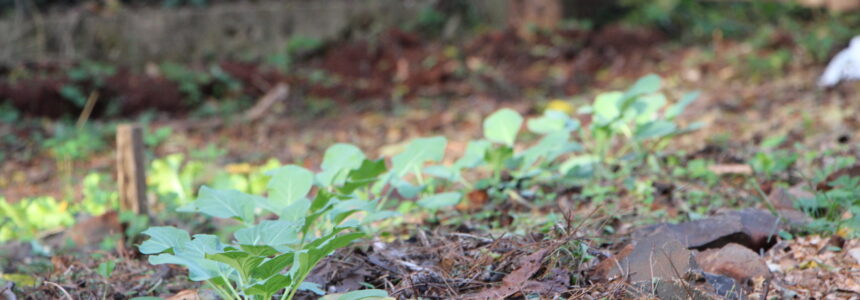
812	267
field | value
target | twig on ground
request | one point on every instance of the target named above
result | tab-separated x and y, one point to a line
66	293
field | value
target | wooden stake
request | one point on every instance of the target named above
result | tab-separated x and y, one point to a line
130	169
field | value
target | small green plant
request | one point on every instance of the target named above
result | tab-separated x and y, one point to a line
83	79
628	128
189	81
26	219
771	160
304	231
99	194
69	143
511	171
632	126
834	208
173	179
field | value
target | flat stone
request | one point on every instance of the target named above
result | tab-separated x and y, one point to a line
761	226
659	255
752	228
699	233
735	261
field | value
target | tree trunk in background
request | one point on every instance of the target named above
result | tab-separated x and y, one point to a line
130	169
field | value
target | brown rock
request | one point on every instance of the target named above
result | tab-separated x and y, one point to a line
735	261
760	226
752	228
659	255
697	234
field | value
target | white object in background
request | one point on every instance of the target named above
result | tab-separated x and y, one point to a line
843	66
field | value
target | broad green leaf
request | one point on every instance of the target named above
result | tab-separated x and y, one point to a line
474	155
163	238
366	174
655	129
550	147
226	204
202	244
503	126
646	85
295	212
374	216
269	233
242	262
199	269
496	157
272	266
147	298
322	199
406	189
417	153
338	160
675	110
191	255
443	172
270	287
438	201
359	295
311	287
552	121
259	250
606	108
289	184
332	244
577	161
646	107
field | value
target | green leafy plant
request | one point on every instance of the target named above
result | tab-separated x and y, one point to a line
69	143
189	81
304	231
771	159
84	78
25	219
99	194
828	208
630	126
173	179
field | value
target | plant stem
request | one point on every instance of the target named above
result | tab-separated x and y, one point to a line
232	290
220	291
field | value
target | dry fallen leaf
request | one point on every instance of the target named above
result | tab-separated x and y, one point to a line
516	280
185	295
